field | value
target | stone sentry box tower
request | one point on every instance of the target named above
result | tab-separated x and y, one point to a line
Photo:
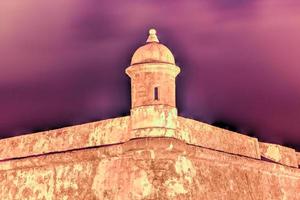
153	73
151	154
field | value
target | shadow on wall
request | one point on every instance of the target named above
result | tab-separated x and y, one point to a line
231	127
225	125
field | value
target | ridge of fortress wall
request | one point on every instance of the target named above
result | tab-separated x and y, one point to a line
212	137
104	132
118	130
146	168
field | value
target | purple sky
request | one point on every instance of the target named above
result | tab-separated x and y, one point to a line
62	62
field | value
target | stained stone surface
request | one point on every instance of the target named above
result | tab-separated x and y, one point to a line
154	116
103	132
109	160
118	130
280	154
147	168
208	136
145	77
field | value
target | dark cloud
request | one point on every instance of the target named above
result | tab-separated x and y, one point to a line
63	62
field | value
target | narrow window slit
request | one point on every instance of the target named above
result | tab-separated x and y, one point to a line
156	93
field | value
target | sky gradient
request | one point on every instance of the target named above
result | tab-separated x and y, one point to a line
62	62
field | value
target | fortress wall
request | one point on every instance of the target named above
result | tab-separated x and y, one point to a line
212	137
118	130
110	131
147	168
280	154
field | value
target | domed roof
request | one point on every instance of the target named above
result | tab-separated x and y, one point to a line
152	52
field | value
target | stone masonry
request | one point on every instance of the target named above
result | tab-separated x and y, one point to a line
151	154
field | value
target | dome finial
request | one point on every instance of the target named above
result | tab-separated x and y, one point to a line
152	36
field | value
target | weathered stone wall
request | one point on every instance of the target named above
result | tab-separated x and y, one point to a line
208	136
148	168
154	116
110	160
118	130
105	132
280	154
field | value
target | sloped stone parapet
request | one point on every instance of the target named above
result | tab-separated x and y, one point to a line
280	154
105	132
212	137
118	130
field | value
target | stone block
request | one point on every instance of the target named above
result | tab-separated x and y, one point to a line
153	116
280	154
